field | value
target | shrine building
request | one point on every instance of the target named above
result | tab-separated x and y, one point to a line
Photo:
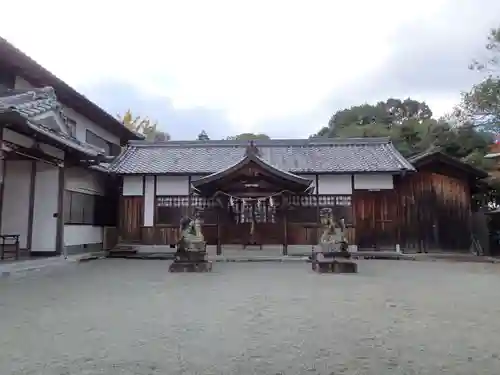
270	192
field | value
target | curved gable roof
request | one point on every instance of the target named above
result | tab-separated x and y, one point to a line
253	158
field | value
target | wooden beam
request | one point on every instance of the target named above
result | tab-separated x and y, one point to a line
155	209
219	246
285	231
31	205
143	206
318	220
60	212
190	192
4	169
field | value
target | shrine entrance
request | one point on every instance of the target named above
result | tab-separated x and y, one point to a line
252	201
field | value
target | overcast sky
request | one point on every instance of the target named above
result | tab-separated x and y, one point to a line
282	67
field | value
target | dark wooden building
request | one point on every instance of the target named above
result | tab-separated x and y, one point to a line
271	193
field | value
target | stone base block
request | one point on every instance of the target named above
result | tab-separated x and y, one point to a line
180	266
191	256
335	266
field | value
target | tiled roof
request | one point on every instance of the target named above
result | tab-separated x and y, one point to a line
33	103
296	156
11	56
436	154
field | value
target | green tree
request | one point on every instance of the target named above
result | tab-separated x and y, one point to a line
203	136
143	126
410	126
374	120
481	105
248	136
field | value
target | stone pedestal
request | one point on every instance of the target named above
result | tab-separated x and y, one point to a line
190	261
335	266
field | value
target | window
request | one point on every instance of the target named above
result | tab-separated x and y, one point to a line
94	139
71	127
88	209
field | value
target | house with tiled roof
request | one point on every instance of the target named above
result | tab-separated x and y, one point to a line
271	192
56	194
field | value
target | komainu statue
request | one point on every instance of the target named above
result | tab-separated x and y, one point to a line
332	254
332	239
191	254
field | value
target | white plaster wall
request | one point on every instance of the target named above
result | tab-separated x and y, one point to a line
15	208
24	141
52	151
82	234
149	201
84	181
373	181
172	185
18	139
22	84
83	123
46	199
132	185
335	184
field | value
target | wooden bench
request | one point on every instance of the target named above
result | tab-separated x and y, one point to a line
12	242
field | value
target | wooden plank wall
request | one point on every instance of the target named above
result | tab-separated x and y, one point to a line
425	212
131	218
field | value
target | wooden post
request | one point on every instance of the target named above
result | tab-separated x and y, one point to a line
156	240
285	231
4	168
190	192
60	249
31	205
318	213
219	247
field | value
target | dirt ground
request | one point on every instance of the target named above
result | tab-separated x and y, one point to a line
126	317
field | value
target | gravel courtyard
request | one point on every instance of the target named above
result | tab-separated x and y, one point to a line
133	317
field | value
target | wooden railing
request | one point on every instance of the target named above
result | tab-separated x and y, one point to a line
12	242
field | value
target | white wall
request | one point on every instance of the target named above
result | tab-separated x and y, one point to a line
24	141
22	84
52	151
335	184
89	182
132	186
149	201
16	197
373	182
172	185
84	181
18	139
83	123
82	234
45	206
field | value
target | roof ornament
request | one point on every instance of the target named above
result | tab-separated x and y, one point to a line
252	149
